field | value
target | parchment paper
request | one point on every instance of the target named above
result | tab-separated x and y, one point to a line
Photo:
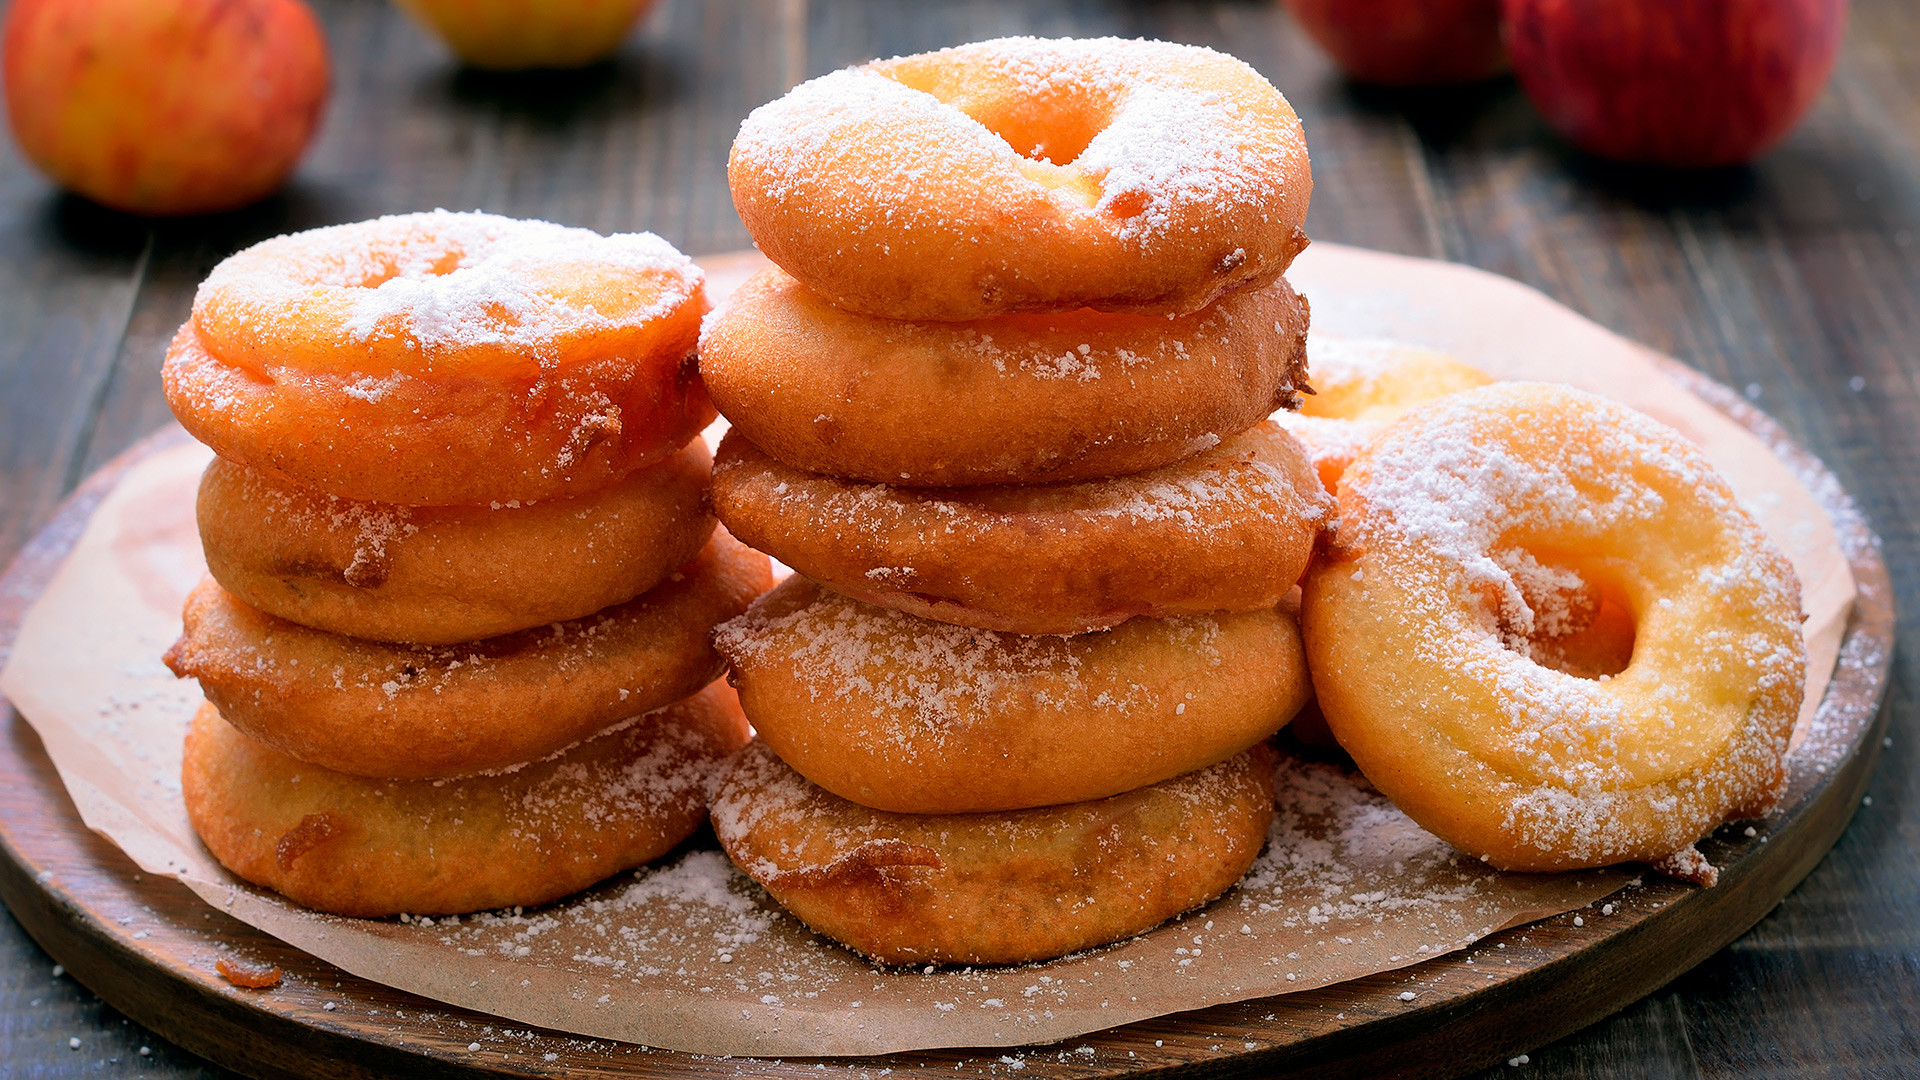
691	956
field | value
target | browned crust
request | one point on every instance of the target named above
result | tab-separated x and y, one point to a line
374	709
437	575
442	847
445	441
993	888
1013	400
1230	529
894	712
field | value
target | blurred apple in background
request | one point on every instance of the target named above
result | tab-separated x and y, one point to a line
164	106
1674	82
506	35
1407	42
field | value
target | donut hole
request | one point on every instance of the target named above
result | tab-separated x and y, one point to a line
1568	615
384	266
1055	135
1601	648
1051	122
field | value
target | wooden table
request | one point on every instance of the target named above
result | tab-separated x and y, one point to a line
1797	280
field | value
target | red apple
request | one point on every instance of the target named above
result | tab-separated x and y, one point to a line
1407	42
1674	82
505	35
164	106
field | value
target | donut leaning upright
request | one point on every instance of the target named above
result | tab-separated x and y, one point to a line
1001	405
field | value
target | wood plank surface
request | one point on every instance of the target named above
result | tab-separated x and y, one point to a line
1797	280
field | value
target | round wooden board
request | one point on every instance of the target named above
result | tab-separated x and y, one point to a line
147	945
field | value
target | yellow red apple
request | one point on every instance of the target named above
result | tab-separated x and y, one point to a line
164	106
1407	42
1674	82
505	35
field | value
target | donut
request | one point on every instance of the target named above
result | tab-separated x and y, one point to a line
992	888
416	711
1228	530
902	714
1027	175
1484	526
1378	381
439	575
1361	386
1066	396
363	847
444	359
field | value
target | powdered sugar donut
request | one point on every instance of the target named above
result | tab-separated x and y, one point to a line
992	888
435	575
1072	395
442	359
1437	625
351	845
1230	529
899	713
1361	386
414	711
1024	174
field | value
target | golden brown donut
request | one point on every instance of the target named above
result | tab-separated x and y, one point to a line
1230	529
1073	395
444	359
352	845
992	888
917	717
414	711
1361	386
1027	175
437	575
1476	535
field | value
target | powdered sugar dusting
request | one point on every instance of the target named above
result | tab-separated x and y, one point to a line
1342	862
302	511
1450	503
1173	146
804	133
1331	444
778	824
932	678
1172	143
1230	489
609	790
1340	361
444	281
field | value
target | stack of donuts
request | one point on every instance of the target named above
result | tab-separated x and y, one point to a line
462	576
1002	406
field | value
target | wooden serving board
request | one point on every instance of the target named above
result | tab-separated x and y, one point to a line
148	946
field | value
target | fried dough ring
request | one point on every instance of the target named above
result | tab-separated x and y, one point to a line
438	575
992	888
1228	530
444	359
916	717
1027	175
411	711
1073	395
1361	386
364	847
1419	624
